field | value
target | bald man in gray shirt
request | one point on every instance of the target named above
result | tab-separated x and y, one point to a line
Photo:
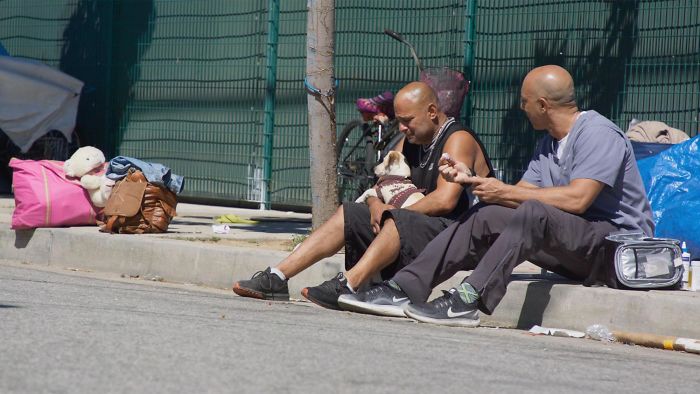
581	184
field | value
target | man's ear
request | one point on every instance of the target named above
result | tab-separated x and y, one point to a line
432	111
543	104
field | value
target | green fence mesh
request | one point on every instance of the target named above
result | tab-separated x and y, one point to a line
630	59
182	82
196	93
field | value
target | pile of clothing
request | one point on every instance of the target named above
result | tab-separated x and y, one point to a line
75	192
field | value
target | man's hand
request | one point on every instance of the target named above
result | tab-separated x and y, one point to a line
376	209
381	118
452	170
489	190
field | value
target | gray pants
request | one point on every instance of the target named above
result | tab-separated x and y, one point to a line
492	240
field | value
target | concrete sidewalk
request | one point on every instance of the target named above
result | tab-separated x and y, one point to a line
191	253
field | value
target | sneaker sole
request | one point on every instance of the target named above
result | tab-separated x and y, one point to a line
379	310
452	322
243	292
305	293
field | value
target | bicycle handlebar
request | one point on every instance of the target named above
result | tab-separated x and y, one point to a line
396	36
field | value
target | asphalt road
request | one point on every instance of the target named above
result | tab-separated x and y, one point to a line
63	332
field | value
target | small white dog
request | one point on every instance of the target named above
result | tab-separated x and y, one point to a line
394	186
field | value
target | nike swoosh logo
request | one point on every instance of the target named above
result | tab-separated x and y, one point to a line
455	314
394	299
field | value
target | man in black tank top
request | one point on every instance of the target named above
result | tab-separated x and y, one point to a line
378	237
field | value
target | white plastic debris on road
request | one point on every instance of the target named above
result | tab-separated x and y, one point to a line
220	228
557	332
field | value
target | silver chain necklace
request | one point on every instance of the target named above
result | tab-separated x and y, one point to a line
429	150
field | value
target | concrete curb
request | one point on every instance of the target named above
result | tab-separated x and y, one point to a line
152	256
528	302
572	306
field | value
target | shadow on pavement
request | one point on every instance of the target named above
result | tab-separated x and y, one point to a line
536	300
22	238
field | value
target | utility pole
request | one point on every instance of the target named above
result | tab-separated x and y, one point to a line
273	20
320	85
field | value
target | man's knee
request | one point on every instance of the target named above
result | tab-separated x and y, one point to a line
531	209
486	213
531	218
388	224
340	211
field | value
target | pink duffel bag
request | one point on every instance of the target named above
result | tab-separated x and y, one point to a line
45	197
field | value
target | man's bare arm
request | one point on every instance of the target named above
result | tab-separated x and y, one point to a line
462	147
525	184
575	197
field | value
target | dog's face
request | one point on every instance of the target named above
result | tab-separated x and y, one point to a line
393	164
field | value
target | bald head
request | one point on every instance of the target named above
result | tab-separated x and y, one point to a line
416	109
552	83
416	93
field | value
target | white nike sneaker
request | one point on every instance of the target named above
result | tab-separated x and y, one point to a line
447	310
382	300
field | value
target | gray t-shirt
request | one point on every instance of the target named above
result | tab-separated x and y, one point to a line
596	149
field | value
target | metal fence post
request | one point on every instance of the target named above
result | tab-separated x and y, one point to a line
469	41
111	127
273	17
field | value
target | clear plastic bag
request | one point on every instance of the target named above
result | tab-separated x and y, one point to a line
600	333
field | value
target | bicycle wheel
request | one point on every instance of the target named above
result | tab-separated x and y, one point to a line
356	159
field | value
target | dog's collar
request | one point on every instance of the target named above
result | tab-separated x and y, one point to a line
389	178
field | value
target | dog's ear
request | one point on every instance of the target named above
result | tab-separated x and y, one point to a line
393	158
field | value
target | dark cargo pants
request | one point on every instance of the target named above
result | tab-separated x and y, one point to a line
492	240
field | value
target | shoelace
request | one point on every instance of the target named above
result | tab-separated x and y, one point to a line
334	284
444	301
268	276
259	273
374	291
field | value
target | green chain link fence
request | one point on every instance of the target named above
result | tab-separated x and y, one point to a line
183	82
629	59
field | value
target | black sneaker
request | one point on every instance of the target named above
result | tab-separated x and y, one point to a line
448	310
326	294
263	285
382	300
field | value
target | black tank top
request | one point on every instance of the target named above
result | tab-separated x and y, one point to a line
424	165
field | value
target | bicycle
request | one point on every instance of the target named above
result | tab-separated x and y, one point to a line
364	143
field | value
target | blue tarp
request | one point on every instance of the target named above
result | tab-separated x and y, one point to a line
672	182
3	51
642	150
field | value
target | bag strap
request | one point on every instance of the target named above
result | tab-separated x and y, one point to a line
110	223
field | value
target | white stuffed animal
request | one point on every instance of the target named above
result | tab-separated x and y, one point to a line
81	164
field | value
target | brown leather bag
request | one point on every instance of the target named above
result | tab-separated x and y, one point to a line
137	206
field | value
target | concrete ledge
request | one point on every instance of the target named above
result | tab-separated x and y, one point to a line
572	306
149	256
528	302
